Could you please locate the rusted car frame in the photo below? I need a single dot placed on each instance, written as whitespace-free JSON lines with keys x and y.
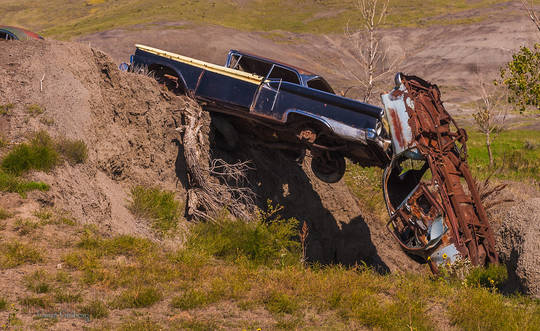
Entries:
{"x":433,"y":202}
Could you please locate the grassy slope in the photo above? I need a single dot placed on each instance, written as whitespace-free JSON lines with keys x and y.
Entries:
{"x":66,"y":19}
{"x":232,"y":276}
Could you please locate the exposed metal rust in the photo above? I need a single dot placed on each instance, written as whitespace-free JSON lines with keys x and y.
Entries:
{"x":437,"y":137}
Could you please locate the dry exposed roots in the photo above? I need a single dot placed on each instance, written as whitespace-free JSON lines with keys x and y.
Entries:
{"x":214,"y":185}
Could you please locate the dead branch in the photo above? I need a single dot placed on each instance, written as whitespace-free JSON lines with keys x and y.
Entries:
{"x":531,"y":13}
{"x":368,"y":52}
{"x":214,"y":185}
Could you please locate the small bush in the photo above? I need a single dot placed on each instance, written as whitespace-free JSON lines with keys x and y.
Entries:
{"x":74,"y":151}
{"x":261,"y":243}
{"x":6,"y":109}
{"x":95,"y":309}
{"x":3,"y":141}
{"x":138,"y":298}
{"x":34,"y":109}
{"x":38,"y":154}
{"x":156,"y":205}
{"x":12,"y":183}
{"x":14,"y":254}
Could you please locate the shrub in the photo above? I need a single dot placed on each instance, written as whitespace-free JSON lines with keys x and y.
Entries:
{"x":262,"y":243}
{"x":40,"y":302}
{"x":3,"y":303}
{"x":95,"y":309}
{"x":74,"y":151}
{"x":66,"y":297}
{"x":156,"y":205}
{"x":4,"y":214}
{"x":521,"y":76}
{"x":39,"y":154}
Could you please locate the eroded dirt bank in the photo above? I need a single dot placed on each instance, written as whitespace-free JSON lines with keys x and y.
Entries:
{"x":128,"y":123}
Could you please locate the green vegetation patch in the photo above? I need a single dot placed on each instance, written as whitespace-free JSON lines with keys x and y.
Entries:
{"x":65,"y":20}
{"x":39,"y":154}
{"x":156,"y":205}
{"x":516,"y":156}
{"x":261,"y":242}
{"x":138,"y":298}
{"x":95,"y":309}
{"x":13,"y":254}
{"x":74,"y":151}
{"x":6,"y":109}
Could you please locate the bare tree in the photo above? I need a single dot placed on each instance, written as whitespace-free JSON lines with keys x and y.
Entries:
{"x":490,"y":115}
{"x":368,"y":50}
{"x":532,"y":14}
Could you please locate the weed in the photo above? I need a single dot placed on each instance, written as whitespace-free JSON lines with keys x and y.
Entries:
{"x":48,"y":121}
{"x":34,"y":109}
{"x":3,"y":303}
{"x":74,"y":151}
{"x":491,"y":277}
{"x":38,"y":154}
{"x":366,"y":185}
{"x":53,"y":216}
{"x":278,"y":303}
{"x":261,"y":243}
{"x":6,"y":109}
{"x":67,"y":297}
{"x":25,"y":226}
{"x":4,"y":214}
{"x":13,"y":254}
{"x":140,"y":325}
{"x":37,"y":282}
{"x":62,"y":277}
{"x":191,"y":299}
{"x":12,"y":183}
{"x":138,"y":298}
{"x":156,"y":205}
{"x":4,"y":142}
{"x":95,"y":309}
{"x":40,"y":302}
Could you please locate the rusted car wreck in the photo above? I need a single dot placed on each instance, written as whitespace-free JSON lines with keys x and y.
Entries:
{"x":433,"y":215}
{"x":435,"y":210}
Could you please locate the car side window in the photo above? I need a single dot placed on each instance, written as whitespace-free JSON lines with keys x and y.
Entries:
{"x":320,"y":84}
{"x":284,"y":74}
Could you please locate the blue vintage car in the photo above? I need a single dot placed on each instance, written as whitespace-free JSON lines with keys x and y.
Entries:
{"x":284,"y":106}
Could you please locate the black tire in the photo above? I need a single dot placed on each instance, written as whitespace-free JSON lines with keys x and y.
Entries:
{"x":328,"y":167}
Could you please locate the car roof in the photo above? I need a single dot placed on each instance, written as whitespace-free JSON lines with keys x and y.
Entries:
{"x":20,"y":33}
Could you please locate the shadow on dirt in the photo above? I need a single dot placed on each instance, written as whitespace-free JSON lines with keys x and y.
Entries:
{"x":282,"y":180}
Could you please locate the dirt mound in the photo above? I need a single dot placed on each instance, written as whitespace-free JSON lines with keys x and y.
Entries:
{"x":519,"y":246}
{"x":128,"y":123}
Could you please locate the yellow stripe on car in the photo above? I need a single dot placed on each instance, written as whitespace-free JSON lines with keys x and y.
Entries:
{"x":247,"y":77}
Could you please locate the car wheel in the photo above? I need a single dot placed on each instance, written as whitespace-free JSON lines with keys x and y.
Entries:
{"x":328,"y":166}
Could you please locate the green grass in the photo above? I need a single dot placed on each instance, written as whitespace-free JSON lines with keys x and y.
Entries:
{"x":13,"y":254}
{"x":59,"y":19}
{"x":366,"y":185}
{"x":157,"y":206}
{"x":259,"y":242}
{"x":138,"y":298}
{"x":12,"y":183}
{"x":227,"y":264}
{"x":3,"y":303}
{"x":516,"y":153}
{"x":4,"y":214}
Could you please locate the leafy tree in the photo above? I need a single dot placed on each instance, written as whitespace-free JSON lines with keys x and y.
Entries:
{"x":521,"y":76}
